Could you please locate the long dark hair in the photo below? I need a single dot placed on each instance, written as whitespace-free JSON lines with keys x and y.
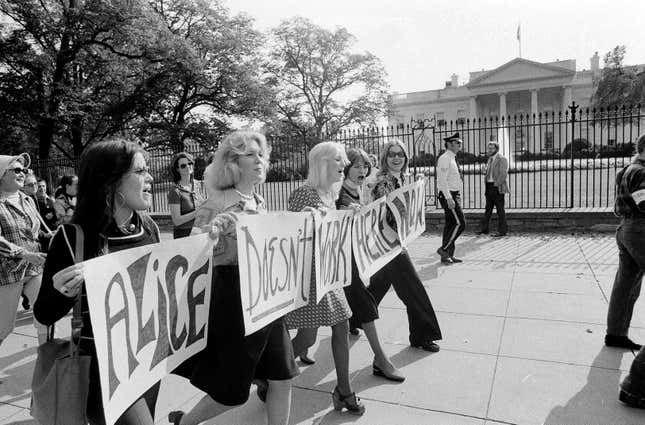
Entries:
{"x":65,"y":181}
{"x":103,"y":165}
{"x":174,"y":172}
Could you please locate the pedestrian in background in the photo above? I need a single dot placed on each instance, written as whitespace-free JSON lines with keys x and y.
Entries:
{"x":183,"y":197}
{"x":496,"y":176}
{"x":20,"y":258}
{"x":65,"y":203}
{"x":449,"y":185}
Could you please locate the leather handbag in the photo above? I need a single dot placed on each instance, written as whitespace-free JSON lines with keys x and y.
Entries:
{"x":61,"y":379}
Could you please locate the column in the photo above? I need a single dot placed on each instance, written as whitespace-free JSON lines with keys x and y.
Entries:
{"x":473,"y":107}
{"x":502,"y":106}
{"x":567,"y":98}
{"x":534,"y":102}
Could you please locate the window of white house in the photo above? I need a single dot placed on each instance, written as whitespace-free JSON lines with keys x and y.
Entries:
{"x":441,"y":119}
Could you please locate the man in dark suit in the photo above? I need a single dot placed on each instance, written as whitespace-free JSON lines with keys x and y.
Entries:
{"x":496,"y":188}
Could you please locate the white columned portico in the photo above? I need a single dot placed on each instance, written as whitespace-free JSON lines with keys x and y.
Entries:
{"x":567,"y":97}
{"x":502,"y":106}
{"x":534,"y":102}
{"x":473,"y":107}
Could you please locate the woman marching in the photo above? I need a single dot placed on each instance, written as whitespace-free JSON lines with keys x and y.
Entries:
{"x":229,"y":364}
{"x":362,"y":302}
{"x":115,"y":186}
{"x":400,"y":272}
{"x":327,"y":161}
{"x":183,"y":199}
{"x":20,"y":258}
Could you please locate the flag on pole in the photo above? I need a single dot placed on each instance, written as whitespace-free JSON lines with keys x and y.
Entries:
{"x":518,"y":32}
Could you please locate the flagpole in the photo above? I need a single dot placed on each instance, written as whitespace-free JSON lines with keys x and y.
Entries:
{"x":519,"y":38}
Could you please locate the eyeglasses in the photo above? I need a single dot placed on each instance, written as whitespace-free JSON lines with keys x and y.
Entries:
{"x":184,"y":165}
{"x":19,"y":170}
{"x":400,"y":154}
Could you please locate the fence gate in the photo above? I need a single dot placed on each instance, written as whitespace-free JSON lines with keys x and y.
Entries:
{"x":424,"y":149}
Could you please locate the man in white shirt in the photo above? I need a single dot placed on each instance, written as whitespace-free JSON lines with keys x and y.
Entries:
{"x":449,"y":185}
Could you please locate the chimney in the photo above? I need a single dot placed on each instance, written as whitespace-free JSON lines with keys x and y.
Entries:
{"x":454,"y":80}
{"x":595,"y":63}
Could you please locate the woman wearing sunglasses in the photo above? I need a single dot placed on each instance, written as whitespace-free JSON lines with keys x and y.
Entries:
{"x":20,"y":260}
{"x":183,"y":199}
{"x":400,"y":272}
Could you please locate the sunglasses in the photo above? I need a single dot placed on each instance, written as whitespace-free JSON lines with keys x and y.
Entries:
{"x":19,"y":170}
{"x":400,"y":154}
{"x":184,"y":165}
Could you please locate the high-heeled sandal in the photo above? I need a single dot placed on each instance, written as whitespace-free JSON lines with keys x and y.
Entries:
{"x":350,"y":402}
{"x":175,"y":416}
{"x":306,"y":359}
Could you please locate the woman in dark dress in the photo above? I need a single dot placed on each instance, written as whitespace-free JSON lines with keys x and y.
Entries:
{"x":361,"y":301}
{"x":114,"y":186}
{"x":183,"y":198}
{"x":231,"y":362}
{"x":400,"y":272}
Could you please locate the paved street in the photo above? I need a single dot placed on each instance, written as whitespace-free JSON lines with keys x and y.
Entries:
{"x":523,"y":323}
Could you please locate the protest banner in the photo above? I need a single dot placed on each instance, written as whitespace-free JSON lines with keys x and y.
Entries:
{"x":149,"y":310}
{"x":374,"y":244}
{"x":408,"y":207}
{"x":274,"y":255}
{"x":332,"y":251}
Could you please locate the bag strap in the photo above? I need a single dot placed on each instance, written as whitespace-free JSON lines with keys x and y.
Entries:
{"x":77,"y":314}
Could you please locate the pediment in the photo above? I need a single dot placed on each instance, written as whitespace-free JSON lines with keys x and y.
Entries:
{"x":520,"y":70}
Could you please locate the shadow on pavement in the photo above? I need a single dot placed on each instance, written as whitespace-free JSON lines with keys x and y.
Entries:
{"x":18,"y":368}
{"x":597,"y":402}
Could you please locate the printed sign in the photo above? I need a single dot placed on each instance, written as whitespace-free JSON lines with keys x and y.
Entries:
{"x":333,"y":251}
{"x":274,"y":255}
{"x":408,"y":207}
{"x":149,"y":310}
{"x":373,"y":242}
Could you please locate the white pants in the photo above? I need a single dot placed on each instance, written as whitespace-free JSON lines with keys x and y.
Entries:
{"x":9,"y":299}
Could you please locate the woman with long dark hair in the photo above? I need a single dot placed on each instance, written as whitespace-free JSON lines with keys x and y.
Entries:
{"x":66,"y":198}
{"x":400,"y":272}
{"x":183,"y":198}
{"x":115,"y":187}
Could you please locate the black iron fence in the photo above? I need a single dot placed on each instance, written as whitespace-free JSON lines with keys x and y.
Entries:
{"x":556,"y":160}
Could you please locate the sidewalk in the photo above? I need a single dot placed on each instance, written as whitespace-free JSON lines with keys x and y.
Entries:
{"x":523,"y":323}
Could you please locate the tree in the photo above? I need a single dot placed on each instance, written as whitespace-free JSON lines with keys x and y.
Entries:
{"x":321,"y":84}
{"x":212,"y":75}
{"x":63,"y":62}
{"x":618,"y":85}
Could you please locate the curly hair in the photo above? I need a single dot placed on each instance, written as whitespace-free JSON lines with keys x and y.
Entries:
{"x":224,"y":172}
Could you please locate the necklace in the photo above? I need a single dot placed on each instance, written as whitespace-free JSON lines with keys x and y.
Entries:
{"x":244,"y":196}
{"x":127,"y":229}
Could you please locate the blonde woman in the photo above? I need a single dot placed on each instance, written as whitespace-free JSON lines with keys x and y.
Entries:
{"x":327,"y":161}
{"x":226,"y":368}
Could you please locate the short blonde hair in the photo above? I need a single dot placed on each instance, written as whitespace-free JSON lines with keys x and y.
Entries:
{"x":224,"y":173}
{"x":386,"y":149}
{"x":318,"y":157}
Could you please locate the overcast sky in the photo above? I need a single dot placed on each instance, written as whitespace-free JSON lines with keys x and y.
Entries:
{"x":422,"y":43}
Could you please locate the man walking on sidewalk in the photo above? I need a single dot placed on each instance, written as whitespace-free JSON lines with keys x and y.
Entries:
{"x":496,"y":189}
{"x":449,"y":185}
{"x":630,"y":237}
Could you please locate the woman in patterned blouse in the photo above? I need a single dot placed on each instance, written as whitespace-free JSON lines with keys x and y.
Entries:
{"x":327,"y":162}
{"x":20,"y":260}
{"x":400,"y":272}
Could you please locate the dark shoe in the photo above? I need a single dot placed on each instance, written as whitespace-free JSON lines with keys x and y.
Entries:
{"x":307,"y":360}
{"x":632,"y":400}
{"x":430,"y":346}
{"x":25,"y":302}
{"x":263,"y":389}
{"x":621,"y":342}
{"x":354,"y":331}
{"x":350,"y":402}
{"x":395,"y":376}
{"x":499,"y":235}
{"x":174,"y":417}
{"x":456,"y":260}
